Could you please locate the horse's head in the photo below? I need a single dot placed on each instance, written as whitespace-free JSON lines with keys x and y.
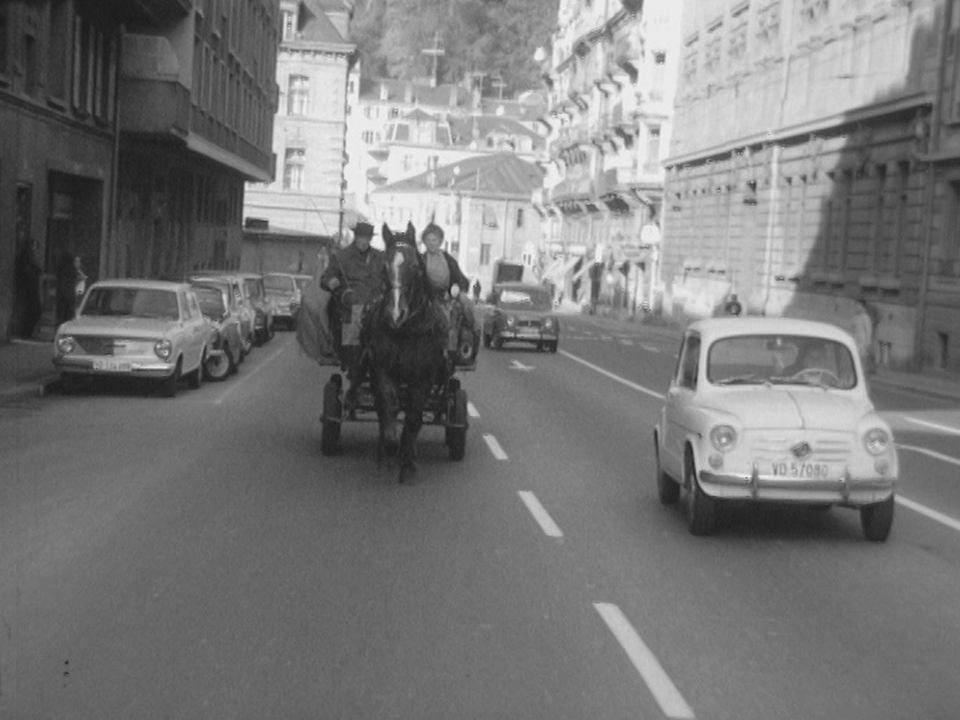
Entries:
{"x":405,"y":284}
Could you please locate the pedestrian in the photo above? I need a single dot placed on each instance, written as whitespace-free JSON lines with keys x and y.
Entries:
{"x":476,"y":290}
{"x":28,"y":277}
{"x":67,"y":279}
{"x":81,"y":278}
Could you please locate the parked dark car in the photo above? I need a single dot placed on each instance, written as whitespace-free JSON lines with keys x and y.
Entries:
{"x":520,"y":312}
{"x":256,"y":294}
{"x":219,"y":307}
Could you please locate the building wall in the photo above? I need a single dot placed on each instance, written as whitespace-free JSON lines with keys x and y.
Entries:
{"x":56,"y":143}
{"x":309,"y":139}
{"x":819,"y":196}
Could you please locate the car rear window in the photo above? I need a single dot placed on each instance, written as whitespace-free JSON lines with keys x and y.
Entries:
{"x":211,"y":302}
{"x":279,"y":283}
{"x":781,"y":360}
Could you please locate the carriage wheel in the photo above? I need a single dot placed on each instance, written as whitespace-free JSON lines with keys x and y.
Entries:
{"x":332,"y":417}
{"x":457,"y":424}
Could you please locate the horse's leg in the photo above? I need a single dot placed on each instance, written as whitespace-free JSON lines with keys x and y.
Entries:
{"x":412,"y":422}
{"x":388,"y":407}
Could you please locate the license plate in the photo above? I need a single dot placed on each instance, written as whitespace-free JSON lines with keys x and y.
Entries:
{"x":111,"y":365}
{"x":801,"y":470}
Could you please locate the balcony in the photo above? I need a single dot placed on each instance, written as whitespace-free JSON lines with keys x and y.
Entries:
{"x":154,"y":107}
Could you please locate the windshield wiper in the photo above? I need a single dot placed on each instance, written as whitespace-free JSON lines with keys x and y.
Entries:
{"x":742,"y":380}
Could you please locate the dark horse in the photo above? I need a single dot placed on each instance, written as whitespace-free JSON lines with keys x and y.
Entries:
{"x":406,"y":344}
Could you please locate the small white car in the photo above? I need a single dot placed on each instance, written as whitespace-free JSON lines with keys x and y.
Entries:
{"x":135,"y":328}
{"x":773,"y":410}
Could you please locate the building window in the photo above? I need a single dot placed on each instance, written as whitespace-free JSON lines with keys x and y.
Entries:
{"x":711,"y":51}
{"x":945,"y":255}
{"x":367,"y":137}
{"x":298,"y":95}
{"x":653,"y":146}
{"x":4,"y":30}
{"x":293,"y":168}
{"x":658,"y":76}
{"x":690,"y":62}
{"x":57,"y":50}
{"x":30,"y":65}
{"x":519,"y":217}
{"x":768,"y":23}
{"x":289,"y":25}
{"x":485,"y":254}
{"x":394,"y":112}
{"x":738,"y":35}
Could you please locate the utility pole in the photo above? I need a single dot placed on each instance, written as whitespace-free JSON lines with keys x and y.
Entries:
{"x":434,"y":52}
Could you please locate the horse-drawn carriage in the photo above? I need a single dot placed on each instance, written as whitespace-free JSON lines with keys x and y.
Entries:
{"x":400,"y":356}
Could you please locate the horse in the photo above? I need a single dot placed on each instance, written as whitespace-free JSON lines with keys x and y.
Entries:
{"x":406,"y":348}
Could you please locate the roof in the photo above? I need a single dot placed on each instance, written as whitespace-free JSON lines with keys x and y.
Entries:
{"x":143,"y":284}
{"x":500,"y":175}
{"x":419,"y":115}
{"x":713,"y":328}
{"x":466,"y":130}
{"x":315,"y":27}
{"x":420,"y":94}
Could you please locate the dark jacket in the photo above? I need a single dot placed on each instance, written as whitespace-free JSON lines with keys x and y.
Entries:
{"x":360,"y":272}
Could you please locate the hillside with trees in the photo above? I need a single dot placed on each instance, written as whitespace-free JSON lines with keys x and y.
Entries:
{"x":491,"y":39}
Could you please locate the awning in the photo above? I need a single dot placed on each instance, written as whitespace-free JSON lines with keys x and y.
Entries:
{"x":560,"y":267}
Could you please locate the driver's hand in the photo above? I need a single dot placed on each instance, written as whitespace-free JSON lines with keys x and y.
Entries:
{"x":333,"y":283}
{"x":454,"y":291}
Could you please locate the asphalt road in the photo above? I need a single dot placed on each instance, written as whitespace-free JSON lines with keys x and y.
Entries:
{"x":199,"y":558}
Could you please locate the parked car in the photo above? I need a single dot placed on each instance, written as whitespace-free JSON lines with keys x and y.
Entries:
{"x":256,"y":295}
{"x":226,"y":345}
{"x":773,"y":410}
{"x":244,"y":309}
{"x":303,"y":281}
{"x":520,"y":312}
{"x":149,"y":329}
{"x":283,"y":291}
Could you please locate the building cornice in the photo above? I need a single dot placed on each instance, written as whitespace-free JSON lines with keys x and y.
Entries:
{"x":816,"y":127}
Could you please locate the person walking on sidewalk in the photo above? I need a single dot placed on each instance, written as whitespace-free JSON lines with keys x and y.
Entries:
{"x":29,"y":274}
{"x":68,"y":275}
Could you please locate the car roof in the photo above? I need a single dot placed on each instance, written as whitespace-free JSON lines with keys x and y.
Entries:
{"x":711,"y":329}
{"x":143,"y":284}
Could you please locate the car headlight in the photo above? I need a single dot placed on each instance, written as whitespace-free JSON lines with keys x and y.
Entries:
{"x":66,"y":344}
{"x":163,"y":349}
{"x":876,"y":441}
{"x":723,"y":437}
{"x":511,"y":321}
{"x":549,"y":323}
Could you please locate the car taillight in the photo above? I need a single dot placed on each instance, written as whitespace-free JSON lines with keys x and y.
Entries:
{"x":876,"y":441}
{"x":66,"y":344}
{"x":163,"y":349}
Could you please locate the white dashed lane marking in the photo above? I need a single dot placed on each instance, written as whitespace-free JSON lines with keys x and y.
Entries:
{"x":661,"y":686}
{"x":472,"y":410}
{"x":540,"y":514}
{"x":495,"y":448}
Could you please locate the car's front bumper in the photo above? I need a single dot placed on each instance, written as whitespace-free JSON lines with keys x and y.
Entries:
{"x":527,"y":334}
{"x":114,"y":366}
{"x":847,"y":489}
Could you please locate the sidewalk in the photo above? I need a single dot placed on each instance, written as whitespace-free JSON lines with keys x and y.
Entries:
{"x":26,"y":368}
{"x":930,"y":382}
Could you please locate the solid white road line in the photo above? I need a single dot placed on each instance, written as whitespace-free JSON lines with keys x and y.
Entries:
{"x":650,"y":348}
{"x":664,"y":691}
{"x":932,"y":425}
{"x":472,"y":410}
{"x":634,"y":386}
{"x":495,"y":448}
{"x":540,"y":514}
{"x":928,"y":512}
{"x":930,"y":453}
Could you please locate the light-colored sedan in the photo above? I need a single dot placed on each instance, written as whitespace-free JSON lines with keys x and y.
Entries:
{"x":135,"y":328}
{"x":773,"y":410}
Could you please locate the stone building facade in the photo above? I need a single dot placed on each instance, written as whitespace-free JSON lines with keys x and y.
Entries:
{"x":807,"y":175}
{"x":317,"y":77}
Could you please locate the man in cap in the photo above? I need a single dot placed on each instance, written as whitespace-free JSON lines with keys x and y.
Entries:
{"x":353,"y":277}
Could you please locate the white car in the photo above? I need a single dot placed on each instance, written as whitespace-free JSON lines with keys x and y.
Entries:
{"x":773,"y":410}
{"x":135,"y":328}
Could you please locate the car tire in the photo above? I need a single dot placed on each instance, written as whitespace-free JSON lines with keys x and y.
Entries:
{"x":701,"y":508}
{"x":498,"y":343}
{"x":667,"y":490}
{"x":195,"y":378}
{"x":219,"y":366}
{"x":552,"y":347}
{"x":248,"y":344}
{"x":456,"y":437}
{"x":169,"y":385}
{"x":877,"y":519}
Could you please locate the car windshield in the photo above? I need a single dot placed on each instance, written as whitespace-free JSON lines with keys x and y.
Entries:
{"x":131,"y":302}
{"x":279,"y":284}
{"x":781,"y":360}
{"x":211,"y":302}
{"x":532,"y":299}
